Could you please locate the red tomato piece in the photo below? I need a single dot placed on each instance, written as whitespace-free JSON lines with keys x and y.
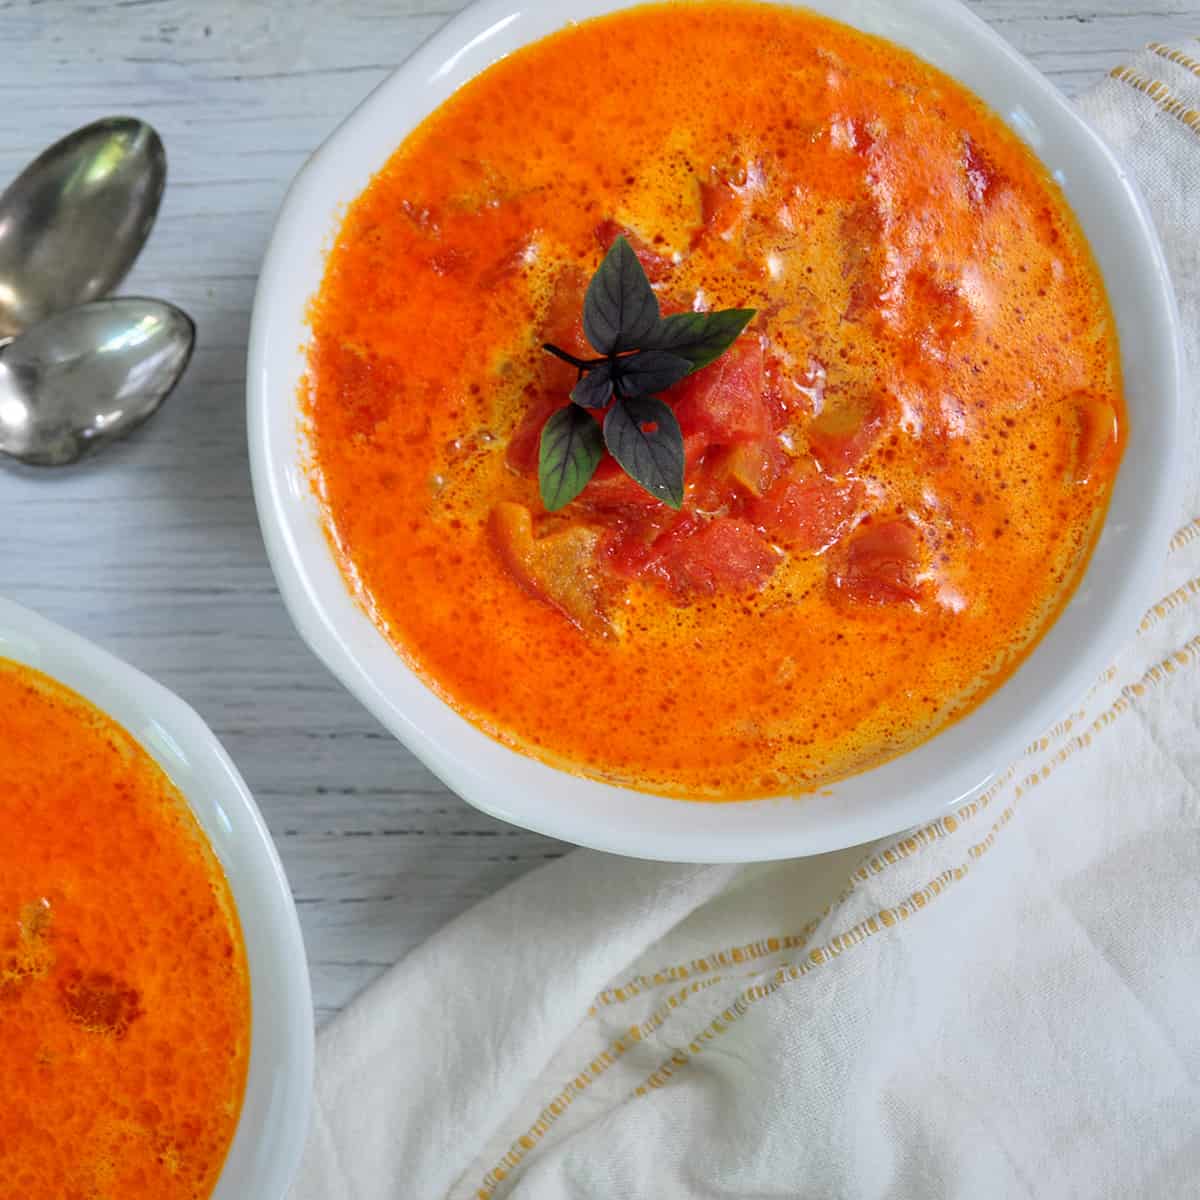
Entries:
{"x":723,"y":198}
{"x":750,"y":466}
{"x":725,"y":399}
{"x":700,"y":558}
{"x":657,"y":266}
{"x":808,"y":514}
{"x":629,"y":546}
{"x":720,"y":555}
{"x":718,"y":206}
{"x":610,"y":487}
{"x":881,"y":565}
{"x":844,"y":432}
{"x":690,"y":555}
{"x":563,"y":324}
{"x":563,"y":327}
{"x":525,"y":443}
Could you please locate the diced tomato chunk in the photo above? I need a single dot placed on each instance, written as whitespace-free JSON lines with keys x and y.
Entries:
{"x":881,"y":565}
{"x":702,"y":558}
{"x":723,"y":198}
{"x":692,"y":556}
{"x":525,"y":444}
{"x":689,"y":554}
{"x":562,"y":326}
{"x":630,"y":545}
{"x":718,"y":205}
{"x":751,"y":466}
{"x":725,"y":399}
{"x":808,"y":514}
{"x":610,"y":487}
{"x":560,"y":568}
{"x":657,"y":266}
{"x":844,"y":432}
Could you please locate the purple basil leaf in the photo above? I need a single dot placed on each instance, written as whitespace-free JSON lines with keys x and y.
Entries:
{"x":620,"y":308}
{"x":595,"y":389}
{"x":641,"y":433}
{"x":650,"y":371}
{"x":701,"y":337}
{"x":570,"y":448}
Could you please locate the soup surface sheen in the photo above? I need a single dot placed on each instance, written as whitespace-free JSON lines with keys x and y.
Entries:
{"x":124,"y":992}
{"x":894,"y":477}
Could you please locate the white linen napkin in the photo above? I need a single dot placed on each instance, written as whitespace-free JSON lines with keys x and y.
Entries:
{"x":1002,"y":1003}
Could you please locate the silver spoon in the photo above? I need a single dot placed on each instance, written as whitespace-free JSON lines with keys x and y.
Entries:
{"x":74,"y":220}
{"x":88,"y":376}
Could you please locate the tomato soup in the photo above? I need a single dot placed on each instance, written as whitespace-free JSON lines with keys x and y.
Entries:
{"x":124,"y":991}
{"x":893,"y":478}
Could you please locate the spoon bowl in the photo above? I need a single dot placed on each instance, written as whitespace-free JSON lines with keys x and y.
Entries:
{"x":88,"y":376}
{"x":72,"y":223}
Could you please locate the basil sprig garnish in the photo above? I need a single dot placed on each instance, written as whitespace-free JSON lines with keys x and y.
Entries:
{"x":642,"y":353}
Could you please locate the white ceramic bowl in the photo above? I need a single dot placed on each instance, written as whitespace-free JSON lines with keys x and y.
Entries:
{"x":944,"y":772}
{"x":270,"y":1133}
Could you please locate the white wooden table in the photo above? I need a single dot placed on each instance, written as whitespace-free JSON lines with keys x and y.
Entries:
{"x":153,"y":550}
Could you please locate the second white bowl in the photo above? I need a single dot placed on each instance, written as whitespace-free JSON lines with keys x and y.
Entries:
{"x":270,"y":1134}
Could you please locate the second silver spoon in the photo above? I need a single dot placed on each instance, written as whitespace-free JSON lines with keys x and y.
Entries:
{"x":88,"y":376}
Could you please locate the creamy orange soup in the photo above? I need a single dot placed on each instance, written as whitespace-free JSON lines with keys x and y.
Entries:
{"x":894,"y":477}
{"x":124,"y":992}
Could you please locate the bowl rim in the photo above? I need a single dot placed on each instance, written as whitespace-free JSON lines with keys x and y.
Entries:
{"x":262,"y":1160}
{"x":502,"y":782}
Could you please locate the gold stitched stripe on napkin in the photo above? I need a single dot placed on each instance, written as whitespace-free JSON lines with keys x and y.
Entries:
{"x":1175,"y":56}
{"x":1160,"y":94}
